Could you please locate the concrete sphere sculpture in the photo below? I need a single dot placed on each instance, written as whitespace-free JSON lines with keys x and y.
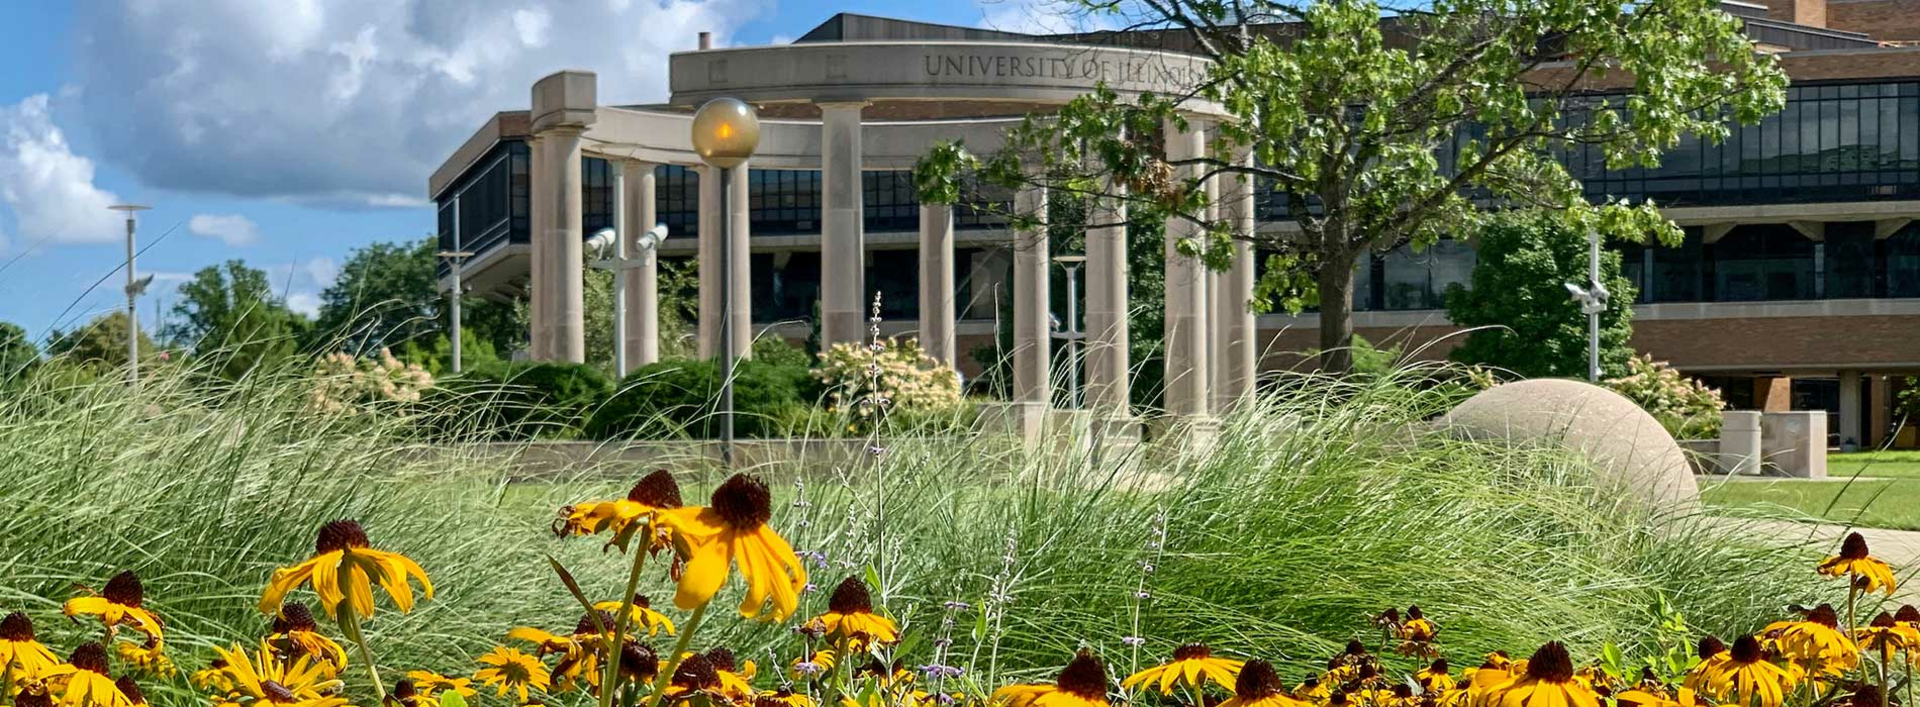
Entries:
{"x":1630,"y":451}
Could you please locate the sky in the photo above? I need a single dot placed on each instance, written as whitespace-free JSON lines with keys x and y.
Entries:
{"x":288,"y":134}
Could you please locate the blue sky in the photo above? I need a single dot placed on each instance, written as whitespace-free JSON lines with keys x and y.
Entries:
{"x":288,"y":134}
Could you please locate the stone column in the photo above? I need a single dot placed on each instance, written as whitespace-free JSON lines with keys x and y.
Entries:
{"x":538,"y":346}
{"x":1235,"y":348}
{"x":740,"y":252}
{"x":1850,"y":410}
{"x":643,"y":283}
{"x":563,"y":107}
{"x":709,"y":262}
{"x":1032,"y":337}
{"x":936,"y":282}
{"x":843,"y":307}
{"x":1186,"y":308}
{"x":1107,"y":359}
{"x":559,"y":241}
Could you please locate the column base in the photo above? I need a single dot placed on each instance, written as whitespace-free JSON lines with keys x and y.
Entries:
{"x":1027,"y":421}
{"x":1184,"y":434}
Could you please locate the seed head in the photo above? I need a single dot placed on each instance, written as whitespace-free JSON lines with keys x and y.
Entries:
{"x":657,"y":489}
{"x":1551,"y":663}
{"x":340,"y":535}
{"x":1257,"y":681}
{"x":124,"y":589}
{"x":743,"y":502}
{"x":90,"y":656}
{"x":1084,"y":677}
{"x":1854,"y":547}
{"x":1746,"y":649}
{"x":1192,"y":651}
{"x":16,"y":627}
{"x":851,"y":597}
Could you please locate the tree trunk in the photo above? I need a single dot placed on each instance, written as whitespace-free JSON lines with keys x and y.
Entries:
{"x":1335,"y":280}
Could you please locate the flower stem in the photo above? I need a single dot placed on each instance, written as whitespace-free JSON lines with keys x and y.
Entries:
{"x":350,"y":625}
{"x":618,"y":640}
{"x":1199,"y":696}
{"x":665,"y":677}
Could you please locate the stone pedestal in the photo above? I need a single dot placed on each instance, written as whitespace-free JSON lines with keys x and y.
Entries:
{"x":1032,"y":340}
{"x":936,"y":282}
{"x":1186,"y":307}
{"x":1794,"y":443}
{"x":843,"y":295}
{"x":1740,"y":449}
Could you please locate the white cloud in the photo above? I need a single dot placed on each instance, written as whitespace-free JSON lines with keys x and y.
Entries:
{"x":349,"y":102}
{"x":232,"y":229}
{"x":306,"y":303}
{"x":47,"y":187}
{"x":322,"y":270}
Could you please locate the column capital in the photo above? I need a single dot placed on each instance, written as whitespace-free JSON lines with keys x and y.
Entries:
{"x":565,"y":99}
{"x":843,"y":103}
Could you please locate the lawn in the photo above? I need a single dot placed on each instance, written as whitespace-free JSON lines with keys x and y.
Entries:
{"x":1886,"y":493}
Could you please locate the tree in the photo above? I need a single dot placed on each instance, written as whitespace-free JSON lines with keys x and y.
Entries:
{"x":388,"y":295}
{"x":101,"y":342}
{"x":231,"y":309}
{"x":1374,"y":133}
{"x":17,"y":351}
{"x":1531,"y":326}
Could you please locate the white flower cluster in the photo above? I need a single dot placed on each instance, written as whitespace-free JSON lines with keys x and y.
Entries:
{"x":343,"y":383}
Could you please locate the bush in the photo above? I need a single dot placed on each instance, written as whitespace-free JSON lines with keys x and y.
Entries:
{"x":679,"y":399}
{"x":897,"y":372}
{"x":520,"y":399}
{"x":1686,"y":407}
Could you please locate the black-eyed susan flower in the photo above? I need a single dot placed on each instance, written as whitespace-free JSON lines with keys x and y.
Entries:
{"x":213,"y":678}
{"x":1747,"y":678}
{"x":1816,"y":640}
{"x":1713,"y":656}
{"x":736,"y":677}
{"x":1083,"y":683}
{"x":131,"y":689}
{"x":1257,"y":685}
{"x":1867,"y":572}
{"x":511,"y":670}
{"x":407,"y":694}
{"x":1886,"y":635}
{"x":261,"y":680}
{"x":295,"y":634}
{"x":623,"y":518}
{"x":695,"y":676}
{"x":850,"y":618}
{"x":1549,"y":681}
{"x":783,"y":697}
{"x":1436,"y":677}
{"x":148,"y":656}
{"x":1311,"y":690}
{"x":1647,"y":696}
{"x":120,"y":603}
{"x":343,"y":568}
{"x":579,"y":651}
{"x":429,"y":683}
{"x":21,"y":649}
{"x":1193,"y":665}
{"x":733,"y":532}
{"x":83,"y":681}
{"x":1417,"y":633}
{"x":641,"y":614}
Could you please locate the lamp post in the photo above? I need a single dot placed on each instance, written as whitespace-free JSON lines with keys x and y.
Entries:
{"x":619,"y":264}
{"x":1072,"y":335}
{"x":725,"y":133}
{"x":456,"y":261}
{"x":1593,"y":300}
{"x":133,"y":289}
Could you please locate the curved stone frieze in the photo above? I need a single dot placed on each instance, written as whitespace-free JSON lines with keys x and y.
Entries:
{"x":665,"y":138}
{"x":940,"y":71}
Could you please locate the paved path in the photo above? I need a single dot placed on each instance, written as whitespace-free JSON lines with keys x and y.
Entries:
{"x":1899,"y":548}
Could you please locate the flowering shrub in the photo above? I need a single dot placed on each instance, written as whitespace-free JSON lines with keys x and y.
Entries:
{"x":1686,"y":407}
{"x":343,"y":383}
{"x":856,"y":651}
{"x":888,"y":373}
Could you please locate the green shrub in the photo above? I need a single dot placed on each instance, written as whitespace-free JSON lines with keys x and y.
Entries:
{"x":679,"y":398}
{"x":520,"y":399}
{"x":1686,"y":407}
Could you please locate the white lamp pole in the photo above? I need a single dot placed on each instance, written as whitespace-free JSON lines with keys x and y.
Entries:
{"x":726,"y":131}
{"x":134,"y":288}
{"x":1593,"y":300}
{"x":1072,"y":263}
{"x":456,"y":262}
{"x":620,"y":264}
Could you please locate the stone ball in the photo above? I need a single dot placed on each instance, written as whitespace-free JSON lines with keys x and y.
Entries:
{"x":1629,"y":449}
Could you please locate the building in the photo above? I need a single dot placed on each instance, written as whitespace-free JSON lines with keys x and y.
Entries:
{"x":1798,"y":285}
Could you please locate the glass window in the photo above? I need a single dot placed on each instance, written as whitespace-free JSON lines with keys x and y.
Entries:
{"x":1763,"y":262}
{"x":1677,"y":272}
{"x":1419,"y":280}
{"x":786,"y":284}
{"x":1903,"y":262}
{"x":596,"y":195}
{"x":895,"y":274}
{"x":676,"y":192}
{"x":785,"y":201}
{"x":1849,"y":260}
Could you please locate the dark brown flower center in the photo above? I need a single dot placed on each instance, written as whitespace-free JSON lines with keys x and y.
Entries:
{"x":124,"y":589}
{"x":90,"y":656}
{"x":743,"y":502}
{"x":1907,"y":614}
{"x":657,"y":489}
{"x":1337,"y":698}
{"x":1354,"y":647}
{"x":1710,"y":646}
{"x":851,"y":597}
{"x":1824,"y":615}
{"x":294,"y":616}
{"x":1854,"y":547}
{"x":1884,"y":620}
{"x":638,"y":661}
{"x":722,"y":659}
{"x":29,"y":698}
{"x":1257,"y":681}
{"x":641,"y":600}
{"x":1402,"y":690}
{"x":1413,"y":612}
{"x":404,"y":689}
{"x":340,"y":535}
{"x":585,"y":625}
{"x":1746,"y":649}
{"x":16,"y":627}
{"x":1551,"y":663}
{"x":1439,"y":666}
{"x":132,"y":691}
{"x":1868,"y":695}
{"x":276,"y":692}
{"x":696,"y":673}
{"x":1083,"y":677}
{"x":1192,"y":651}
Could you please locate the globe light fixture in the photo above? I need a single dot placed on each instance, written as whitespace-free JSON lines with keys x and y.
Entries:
{"x":726,"y":131}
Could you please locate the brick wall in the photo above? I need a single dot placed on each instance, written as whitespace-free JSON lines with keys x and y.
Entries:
{"x":1885,"y":20}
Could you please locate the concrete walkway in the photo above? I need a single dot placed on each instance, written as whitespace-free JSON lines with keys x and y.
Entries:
{"x":1899,"y":548}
